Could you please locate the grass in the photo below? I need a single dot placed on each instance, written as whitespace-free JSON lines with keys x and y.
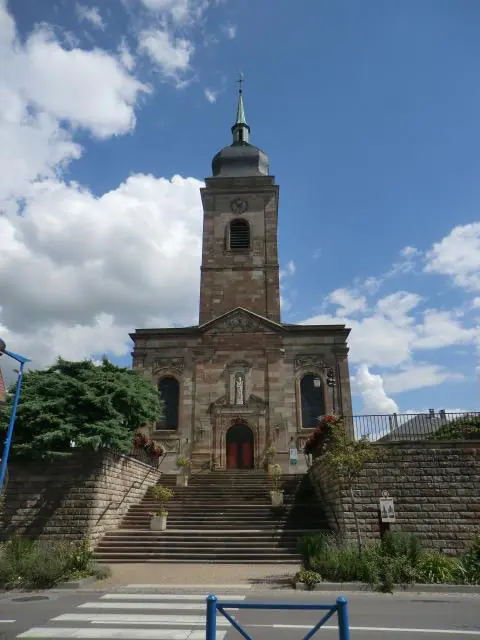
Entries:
{"x":25,"y":564}
{"x":398,"y":559}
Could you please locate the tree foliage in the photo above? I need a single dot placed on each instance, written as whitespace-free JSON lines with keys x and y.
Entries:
{"x":346,"y":457}
{"x":92,"y":406}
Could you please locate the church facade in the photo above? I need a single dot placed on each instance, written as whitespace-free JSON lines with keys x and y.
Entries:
{"x":242,"y":382}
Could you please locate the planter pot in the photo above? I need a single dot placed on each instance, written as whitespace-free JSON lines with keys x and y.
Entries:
{"x":277,"y":498}
{"x":158,"y":523}
{"x":182,"y":480}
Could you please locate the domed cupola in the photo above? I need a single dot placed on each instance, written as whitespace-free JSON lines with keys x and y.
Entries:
{"x":241,"y":158}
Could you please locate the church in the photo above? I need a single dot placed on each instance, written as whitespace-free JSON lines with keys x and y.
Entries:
{"x":242,"y":383}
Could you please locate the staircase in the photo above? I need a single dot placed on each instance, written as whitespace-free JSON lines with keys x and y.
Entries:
{"x":222,"y":516}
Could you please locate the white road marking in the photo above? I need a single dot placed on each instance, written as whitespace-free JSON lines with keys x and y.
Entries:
{"x":181,"y":606}
{"x":136,"y":618}
{"x":105,"y":634}
{"x":454,"y":632}
{"x":7,"y":621}
{"x":165,"y":596}
{"x":172,"y":587}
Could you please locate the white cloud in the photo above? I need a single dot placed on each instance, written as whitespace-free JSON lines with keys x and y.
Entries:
{"x":181,"y":12}
{"x":231,"y":31}
{"x":90,"y":14}
{"x":418,"y":376}
{"x":126,"y":58}
{"x":442,"y":329}
{"x":88,"y":88}
{"x":78,"y":272}
{"x":476,"y":303}
{"x":41,"y":84}
{"x":374,"y":397}
{"x":398,"y":305}
{"x":211,"y":96}
{"x":458,"y":256}
{"x":348,"y":301}
{"x":410,"y":252}
{"x":171,"y":54}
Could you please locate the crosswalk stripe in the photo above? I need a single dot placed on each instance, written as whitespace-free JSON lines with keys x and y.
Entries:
{"x":136,"y":618}
{"x":168,"y":596}
{"x":107,"y":634}
{"x":169,"y":606}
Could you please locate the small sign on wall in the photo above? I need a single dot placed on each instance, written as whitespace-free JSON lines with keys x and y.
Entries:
{"x":293,"y":455}
{"x":387,"y":508}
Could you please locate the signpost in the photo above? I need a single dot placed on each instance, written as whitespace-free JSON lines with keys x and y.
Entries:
{"x":387,"y":508}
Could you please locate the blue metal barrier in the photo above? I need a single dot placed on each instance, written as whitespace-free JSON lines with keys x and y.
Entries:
{"x":340,"y":608}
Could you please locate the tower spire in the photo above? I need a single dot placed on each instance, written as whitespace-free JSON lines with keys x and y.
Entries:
{"x":240,"y":129}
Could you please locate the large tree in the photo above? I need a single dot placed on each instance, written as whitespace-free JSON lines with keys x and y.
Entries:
{"x":90,"y":405}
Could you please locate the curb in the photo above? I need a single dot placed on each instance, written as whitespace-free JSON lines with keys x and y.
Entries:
{"x":77,"y":584}
{"x":360,"y":586}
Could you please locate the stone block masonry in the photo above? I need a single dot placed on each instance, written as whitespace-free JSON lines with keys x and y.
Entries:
{"x":66,"y":500}
{"x":435,"y":487}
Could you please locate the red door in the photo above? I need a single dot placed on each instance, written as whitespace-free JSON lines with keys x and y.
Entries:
{"x":231,"y":455}
{"x":247,"y":455}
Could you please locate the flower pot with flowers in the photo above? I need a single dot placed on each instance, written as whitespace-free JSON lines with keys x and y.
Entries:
{"x":153,"y":450}
{"x":158,"y":519}
{"x":183,"y":464}
{"x":318,"y":441}
{"x":276,"y":494}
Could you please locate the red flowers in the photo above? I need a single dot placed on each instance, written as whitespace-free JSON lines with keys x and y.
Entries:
{"x":319,"y":438}
{"x":148,"y":445}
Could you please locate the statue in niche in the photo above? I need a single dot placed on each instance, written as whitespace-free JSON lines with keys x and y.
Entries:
{"x":239,"y":389}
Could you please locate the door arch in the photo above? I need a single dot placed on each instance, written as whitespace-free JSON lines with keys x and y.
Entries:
{"x":239,"y":441}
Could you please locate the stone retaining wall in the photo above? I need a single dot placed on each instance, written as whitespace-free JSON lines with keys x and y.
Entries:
{"x":435,"y":486}
{"x":85,"y":495}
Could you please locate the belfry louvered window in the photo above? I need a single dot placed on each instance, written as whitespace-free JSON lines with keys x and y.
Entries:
{"x":239,"y":235}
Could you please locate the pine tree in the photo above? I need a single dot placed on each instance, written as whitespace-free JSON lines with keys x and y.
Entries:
{"x":82,"y":403}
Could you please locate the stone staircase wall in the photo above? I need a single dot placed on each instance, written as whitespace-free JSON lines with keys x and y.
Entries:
{"x":435,"y":487}
{"x":88,"y":494}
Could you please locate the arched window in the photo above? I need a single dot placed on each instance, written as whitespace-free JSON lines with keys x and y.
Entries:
{"x":239,"y":235}
{"x":313,"y":403}
{"x":169,"y":391}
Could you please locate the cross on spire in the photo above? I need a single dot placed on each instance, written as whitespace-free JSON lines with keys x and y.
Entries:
{"x":240,"y":83}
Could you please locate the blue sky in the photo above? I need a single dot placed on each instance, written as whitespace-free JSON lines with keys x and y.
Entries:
{"x":369,"y":112}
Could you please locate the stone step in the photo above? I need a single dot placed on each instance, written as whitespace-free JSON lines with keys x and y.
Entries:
{"x":247,"y":557}
{"x":195,"y":547}
{"x":146,"y":536}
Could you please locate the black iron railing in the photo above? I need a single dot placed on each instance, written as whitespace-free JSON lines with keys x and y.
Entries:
{"x":417,"y":426}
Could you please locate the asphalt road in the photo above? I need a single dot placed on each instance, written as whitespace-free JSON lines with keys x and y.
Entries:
{"x":179,"y":615}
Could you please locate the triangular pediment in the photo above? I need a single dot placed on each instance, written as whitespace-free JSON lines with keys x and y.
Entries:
{"x":241,"y":320}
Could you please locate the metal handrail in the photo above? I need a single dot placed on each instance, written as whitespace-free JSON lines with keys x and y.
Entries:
{"x":340,"y":608}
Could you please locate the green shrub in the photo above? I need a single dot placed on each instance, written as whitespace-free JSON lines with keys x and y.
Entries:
{"x":314,"y":546}
{"x":100,"y":571}
{"x":436,"y":568}
{"x":42,"y":564}
{"x":471,"y":562}
{"x":466,"y":428}
{"x":307,"y":577}
{"x":398,"y":559}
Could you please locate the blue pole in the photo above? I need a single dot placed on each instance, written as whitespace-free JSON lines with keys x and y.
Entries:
{"x":211,"y":626}
{"x":342,"y":612}
{"x":11,"y":424}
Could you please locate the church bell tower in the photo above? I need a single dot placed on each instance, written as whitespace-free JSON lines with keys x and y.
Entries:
{"x":240,"y":252}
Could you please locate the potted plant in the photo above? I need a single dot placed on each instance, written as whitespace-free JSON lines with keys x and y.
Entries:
{"x":162,"y":495}
{"x":276,"y":493}
{"x":183,"y":464}
{"x":270,"y":454}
